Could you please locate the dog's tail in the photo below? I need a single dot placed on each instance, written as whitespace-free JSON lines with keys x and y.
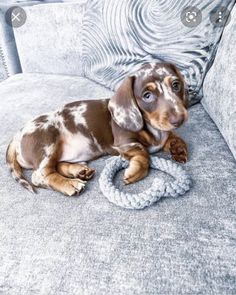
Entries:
{"x":15,"y":168}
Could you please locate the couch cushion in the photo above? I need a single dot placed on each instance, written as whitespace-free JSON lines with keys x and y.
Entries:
{"x":52,"y":244}
{"x":9,"y":59}
{"x":220,"y":87}
{"x":105,"y":40}
{"x":59,"y":51}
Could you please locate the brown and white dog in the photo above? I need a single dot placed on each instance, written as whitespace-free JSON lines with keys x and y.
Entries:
{"x":136,"y":121}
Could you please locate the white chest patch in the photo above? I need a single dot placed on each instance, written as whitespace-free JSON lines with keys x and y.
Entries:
{"x":159,"y":136}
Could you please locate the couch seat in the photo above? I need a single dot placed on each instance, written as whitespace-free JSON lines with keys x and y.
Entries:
{"x":52,"y":244}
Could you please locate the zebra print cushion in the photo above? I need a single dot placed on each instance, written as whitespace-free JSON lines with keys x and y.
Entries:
{"x":119,"y":35}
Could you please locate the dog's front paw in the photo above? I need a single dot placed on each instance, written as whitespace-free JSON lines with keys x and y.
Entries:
{"x":85,"y":173}
{"x":179,"y":150}
{"x":134,"y":173}
{"x":73,"y":187}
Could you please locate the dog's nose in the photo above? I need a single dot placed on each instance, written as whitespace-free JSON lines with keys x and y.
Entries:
{"x":176,"y":121}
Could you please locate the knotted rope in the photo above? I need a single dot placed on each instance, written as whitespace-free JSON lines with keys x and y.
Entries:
{"x":159,"y":188}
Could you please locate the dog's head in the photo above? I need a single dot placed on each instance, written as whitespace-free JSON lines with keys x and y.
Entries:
{"x":156,"y":94}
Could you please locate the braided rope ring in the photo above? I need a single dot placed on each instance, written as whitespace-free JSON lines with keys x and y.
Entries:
{"x":158,"y":189}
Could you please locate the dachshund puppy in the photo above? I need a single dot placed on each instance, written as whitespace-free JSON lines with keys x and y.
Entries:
{"x":139,"y":119}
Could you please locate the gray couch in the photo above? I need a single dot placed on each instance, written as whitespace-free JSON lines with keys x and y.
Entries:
{"x":51,"y":244}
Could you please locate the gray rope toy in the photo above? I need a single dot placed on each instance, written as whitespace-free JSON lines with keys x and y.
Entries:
{"x":159,"y":188}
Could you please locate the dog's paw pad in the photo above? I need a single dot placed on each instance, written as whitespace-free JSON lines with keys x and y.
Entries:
{"x":74,"y":187}
{"x":86,"y":173}
{"x":178,"y":150}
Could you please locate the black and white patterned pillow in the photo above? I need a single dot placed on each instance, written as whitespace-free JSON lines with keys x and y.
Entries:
{"x":119,"y":35}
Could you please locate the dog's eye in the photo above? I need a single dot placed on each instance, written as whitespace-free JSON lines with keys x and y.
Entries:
{"x":176,"y":86}
{"x":148,"y":96}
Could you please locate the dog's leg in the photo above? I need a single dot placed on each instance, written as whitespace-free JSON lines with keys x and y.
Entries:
{"x":75,"y":170}
{"x":138,"y":164}
{"x":177,"y":148}
{"x":48,"y":178}
{"x":46,"y":175}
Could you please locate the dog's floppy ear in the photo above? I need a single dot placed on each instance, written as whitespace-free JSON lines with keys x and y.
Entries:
{"x":123,"y":107}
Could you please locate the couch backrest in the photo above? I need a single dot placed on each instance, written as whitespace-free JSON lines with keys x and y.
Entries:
{"x":9,"y":62}
{"x":220,"y":87}
{"x":51,"y":39}
{"x":9,"y":59}
{"x":105,"y":40}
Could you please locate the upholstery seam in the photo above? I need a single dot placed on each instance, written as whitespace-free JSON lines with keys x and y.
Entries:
{"x":2,"y":56}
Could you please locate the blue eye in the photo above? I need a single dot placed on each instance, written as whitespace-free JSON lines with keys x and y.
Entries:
{"x":148,"y":96}
{"x":176,"y":86}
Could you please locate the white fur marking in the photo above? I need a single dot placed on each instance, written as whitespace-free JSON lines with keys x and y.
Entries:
{"x":153,"y":65}
{"x":159,"y":135}
{"x":29,"y":128}
{"x":49,"y":149}
{"x":155,"y":132}
{"x":121,"y":114}
{"x":159,"y":87}
{"x":100,"y":149}
{"x":167,"y":94}
{"x":162,"y":71}
{"x":53,"y":119}
{"x":177,"y":109}
{"x":78,"y":112}
{"x":76,"y":148}
{"x":38,"y":177}
{"x":19,"y":157}
{"x":145,"y":72}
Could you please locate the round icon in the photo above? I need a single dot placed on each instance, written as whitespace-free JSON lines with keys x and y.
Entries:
{"x":15,"y":16}
{"x":220,"y":16}
{"x":191,"y":16}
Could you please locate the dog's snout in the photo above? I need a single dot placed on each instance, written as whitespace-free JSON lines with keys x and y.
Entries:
{"x":175,"y":120}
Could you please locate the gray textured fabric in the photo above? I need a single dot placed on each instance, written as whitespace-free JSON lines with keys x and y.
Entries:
{"x":59,"y":51}
{"x":9,"y":60}
{"x":220,"y":87}
{"x":127,"y":33}
{"x":51,"y":244}
{"x":8,"y":52}
{"x":176,"y":187}
{"x":32,"y":2}
{"x":20,"y":2}
{"x":105,"y":40}
{"x":3,"y":69}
